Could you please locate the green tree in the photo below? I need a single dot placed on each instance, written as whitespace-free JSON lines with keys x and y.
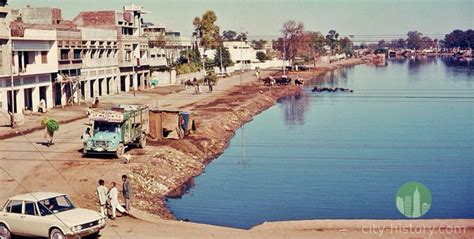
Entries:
{"x":382,"y":43}
{"x":258,"y":44}
{"x":346,"y":46}
{"x":206,"y":30}
{"x":332,"y":40}
{"x":241,"y":37}
{"x":226,"y":59}
{"x":414,"y":40}
{"x":459,"y":38}
{"x":229,"y":35}
{"x":290,"y":43}
{"x":261,"y":56}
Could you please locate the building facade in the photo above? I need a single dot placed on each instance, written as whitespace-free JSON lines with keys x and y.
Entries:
{"x":61,"y":62}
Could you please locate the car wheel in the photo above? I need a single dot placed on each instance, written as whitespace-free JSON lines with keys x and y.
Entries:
{"x":56,"y":234}
{"x":4,"y":232}
{"x":120,"y":151}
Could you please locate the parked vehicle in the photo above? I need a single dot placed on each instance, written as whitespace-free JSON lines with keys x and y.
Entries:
{"x":47,"y":214}
{"x":117,"y":128}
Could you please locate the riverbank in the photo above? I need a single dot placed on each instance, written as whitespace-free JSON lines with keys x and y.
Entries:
{"x":167,"y":167}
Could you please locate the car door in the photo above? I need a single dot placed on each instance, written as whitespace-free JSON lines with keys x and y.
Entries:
{"x":31,"y":217}
{"x":12,"y":215}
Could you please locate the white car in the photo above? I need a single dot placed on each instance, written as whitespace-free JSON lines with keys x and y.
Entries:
{"x":46,"y":214}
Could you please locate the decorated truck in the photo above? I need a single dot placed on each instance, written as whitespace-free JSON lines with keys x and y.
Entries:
{"x":115,"y":129}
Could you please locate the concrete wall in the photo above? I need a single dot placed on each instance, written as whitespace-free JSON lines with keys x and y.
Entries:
{"x":184,"y":77}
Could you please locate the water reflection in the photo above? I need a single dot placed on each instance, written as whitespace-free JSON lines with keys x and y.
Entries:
{"x":294,"y":108}
{"x":331,"y":78}
{"x":414,"y":64}
{"x":459,"y":66}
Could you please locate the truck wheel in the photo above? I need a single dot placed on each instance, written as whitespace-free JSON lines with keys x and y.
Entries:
{"x":4,"y":232}
{"x":142,"y":141}
{"x":56,"y":234}
{"x":120,"y":151}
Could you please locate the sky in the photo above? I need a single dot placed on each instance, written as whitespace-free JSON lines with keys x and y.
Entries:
{"x":365,"y":19}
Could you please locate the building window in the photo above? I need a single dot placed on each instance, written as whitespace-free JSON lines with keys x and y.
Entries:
{"x":64,"y":54}
{"x":77,"y":54}
{"x":101,"y":54}
{"x":44,"y":57}
{"x":93,"y":54}
{"x":128,"y":56}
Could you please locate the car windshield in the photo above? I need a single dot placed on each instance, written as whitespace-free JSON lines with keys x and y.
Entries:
{"x":106,"y":127}
{"x":55,"y":205}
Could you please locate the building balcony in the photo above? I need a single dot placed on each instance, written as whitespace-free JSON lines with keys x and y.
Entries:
{"x":69,"y":63}
{"x":33,"y":69}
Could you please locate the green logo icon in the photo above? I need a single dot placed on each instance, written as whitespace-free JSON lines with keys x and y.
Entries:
{"x":413,"y":199}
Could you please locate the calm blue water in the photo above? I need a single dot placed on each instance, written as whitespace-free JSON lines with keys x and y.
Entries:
{"x":325,"y":156}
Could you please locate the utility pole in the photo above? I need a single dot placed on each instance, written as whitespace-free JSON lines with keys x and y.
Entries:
{"x":12,"y":102}
{"x":221,"y":57}
{"x":284,"y":57}
{"x":241,"y":59}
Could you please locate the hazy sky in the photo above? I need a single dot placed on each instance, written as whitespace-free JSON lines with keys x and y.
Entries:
{"x":362,"y":18}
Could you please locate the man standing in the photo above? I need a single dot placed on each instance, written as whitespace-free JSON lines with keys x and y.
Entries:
{"x":114,"y":202}
{"x":126,"y":191}
{"x":101,"y":193}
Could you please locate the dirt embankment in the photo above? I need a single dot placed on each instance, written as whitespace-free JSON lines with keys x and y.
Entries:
{"x":167,"y":167}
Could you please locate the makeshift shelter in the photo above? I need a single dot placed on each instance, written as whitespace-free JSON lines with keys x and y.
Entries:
{"x":167,"y":124}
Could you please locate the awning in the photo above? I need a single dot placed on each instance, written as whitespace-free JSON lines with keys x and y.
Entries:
{"x":30,"y":46}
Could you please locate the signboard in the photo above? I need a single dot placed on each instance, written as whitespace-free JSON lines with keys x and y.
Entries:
{"x":107,"y":115}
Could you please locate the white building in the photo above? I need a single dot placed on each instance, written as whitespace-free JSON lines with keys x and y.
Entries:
{"x":241,"y":52}
{"x":35,"y":60}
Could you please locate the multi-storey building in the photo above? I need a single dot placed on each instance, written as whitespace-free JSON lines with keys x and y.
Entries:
{"x":34,"y":54}
{"x":100,"y":62}
{"x":132,"y":45}
{"x":68,"y":61}
{"x":5,"y":56}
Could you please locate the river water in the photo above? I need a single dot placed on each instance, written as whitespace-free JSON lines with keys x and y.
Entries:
{"x":345,"y":155}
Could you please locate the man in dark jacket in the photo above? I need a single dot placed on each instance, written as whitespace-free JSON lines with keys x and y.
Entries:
{"x":126,"y":191}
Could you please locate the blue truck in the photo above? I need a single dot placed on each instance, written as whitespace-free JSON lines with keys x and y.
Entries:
{"x":115,"y":129}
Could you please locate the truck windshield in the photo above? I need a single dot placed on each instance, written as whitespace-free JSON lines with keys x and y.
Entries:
{"x":106,"y":127}
{"x":54,"y":205}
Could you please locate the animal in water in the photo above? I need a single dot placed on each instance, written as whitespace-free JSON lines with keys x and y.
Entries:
{"x":331,"y":89}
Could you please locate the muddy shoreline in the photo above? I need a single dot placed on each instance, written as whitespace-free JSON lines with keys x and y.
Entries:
{"x":168,"y":167}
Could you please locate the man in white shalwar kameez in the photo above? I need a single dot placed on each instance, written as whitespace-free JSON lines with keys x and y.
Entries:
{"x":101,"y":193}
{"x":114,"y":202}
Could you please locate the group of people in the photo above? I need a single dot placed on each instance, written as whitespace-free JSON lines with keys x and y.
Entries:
{"x":108,"y":198}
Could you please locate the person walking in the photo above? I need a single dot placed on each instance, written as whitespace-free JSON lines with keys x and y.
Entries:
{"x":48,"y":135}
{"x":86,"y":136}
{"x":114,"y":202}
{"x":126,"y":191}
{"x":210,"y":87}
{"x":101,"y":193}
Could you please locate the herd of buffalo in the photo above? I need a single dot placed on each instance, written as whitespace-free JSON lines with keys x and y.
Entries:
{"x":285,"y":80}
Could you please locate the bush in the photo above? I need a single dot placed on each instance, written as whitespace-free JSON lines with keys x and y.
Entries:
{"x":187,"y":68}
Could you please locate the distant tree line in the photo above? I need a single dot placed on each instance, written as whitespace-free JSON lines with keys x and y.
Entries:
{"x":416,"y":40}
